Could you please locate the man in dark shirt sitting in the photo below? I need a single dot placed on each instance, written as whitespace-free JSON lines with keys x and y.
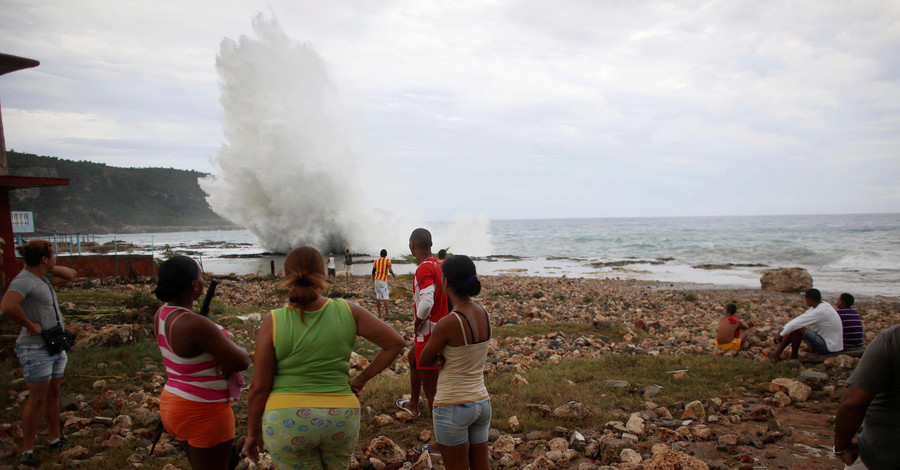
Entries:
{"x":852,"y":323}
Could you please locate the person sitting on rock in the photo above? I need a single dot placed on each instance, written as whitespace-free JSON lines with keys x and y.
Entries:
{"x":819,"y":327}
{"x":732,"y":332}
{"x":851,"y":322}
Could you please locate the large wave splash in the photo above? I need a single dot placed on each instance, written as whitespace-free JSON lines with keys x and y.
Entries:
{"x":288,"y":169}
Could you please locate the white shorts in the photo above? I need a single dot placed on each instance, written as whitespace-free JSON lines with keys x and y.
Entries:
{"x":382,"y":292}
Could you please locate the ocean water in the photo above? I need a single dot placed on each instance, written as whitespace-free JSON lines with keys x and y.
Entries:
{"x":857,"y":253}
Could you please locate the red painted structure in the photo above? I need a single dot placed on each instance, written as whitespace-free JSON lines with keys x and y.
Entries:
{"x":118,"y":266}
{"x":11,"y":63}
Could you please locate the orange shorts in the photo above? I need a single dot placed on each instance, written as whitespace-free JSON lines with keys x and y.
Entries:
{"x":420,"y":346}
{"x":734,"y":345}
{"x":201,"y":425}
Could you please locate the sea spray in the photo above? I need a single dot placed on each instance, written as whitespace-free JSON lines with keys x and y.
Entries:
{"x":289,"y":167}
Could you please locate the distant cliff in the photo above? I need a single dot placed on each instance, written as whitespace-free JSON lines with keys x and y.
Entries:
{"x":105,"y":199}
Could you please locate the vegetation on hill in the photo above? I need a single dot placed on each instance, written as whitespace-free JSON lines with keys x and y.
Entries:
{"x":103,"y":199}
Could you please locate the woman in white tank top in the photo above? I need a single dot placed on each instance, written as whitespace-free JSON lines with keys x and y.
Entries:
{"x":459,"y":344}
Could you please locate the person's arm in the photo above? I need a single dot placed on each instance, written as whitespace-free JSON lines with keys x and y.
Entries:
{"x":439,"y":338}
{"x":847,"y":421}
{"x":744,"y":325}
{"x":386,"y":338}
{"x":805,"y":319}
{"x":62,"y":274}
{"x":260,"y":386}
{"x":210,"y":338}
{"x":11,"y":306}
{"x":391,"y":270}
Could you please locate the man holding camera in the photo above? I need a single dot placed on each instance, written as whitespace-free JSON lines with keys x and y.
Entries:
{"x":31,"y":302}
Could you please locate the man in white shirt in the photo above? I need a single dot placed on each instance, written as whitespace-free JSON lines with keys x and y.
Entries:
{"x":819,"y":327}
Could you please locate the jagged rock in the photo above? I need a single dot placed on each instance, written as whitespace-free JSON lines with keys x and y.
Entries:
{"x":728,"y":440}
{"x":842,"y":360}
{"x":666,"y":434}
{"x":610,"y":448}
{"x":635,"y":424}
{"x":799,"y":392}
{"x":592,"y":449}
{"x":558,"y":443}
{"x":781,"y":399}
{"x":506,"y":443}
{"x":694,"y":410}
{"x":425,"y":435}
{"x":670,"y":459}
{"x":513,"y":424}
{"x":813,"y":378}
{"x":384,"y":449}
{"x":761,"y":413}
{"x":781,"y":385}
{"x":702,"y":432}
{"x":786,"y":280}
{"x":541,"y":463}
{"x":75,"y":453}
{"x":571,"y":410}
{"x":629,"y":456}
{"x":518,"y":380}
{"x":384,"y":420}
{"x":423,"y":462}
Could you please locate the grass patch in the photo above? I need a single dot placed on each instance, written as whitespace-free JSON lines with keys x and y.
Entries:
{"x":581,"y":379}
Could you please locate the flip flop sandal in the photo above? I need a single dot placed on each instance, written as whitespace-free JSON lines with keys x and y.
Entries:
{"x":425,"y":448}
{"x":401,"y":403}
{"x":769,"y":356}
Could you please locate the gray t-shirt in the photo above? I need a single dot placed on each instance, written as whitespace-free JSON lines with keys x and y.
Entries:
{"x":878,"y":373}
{"x":40,"y":304}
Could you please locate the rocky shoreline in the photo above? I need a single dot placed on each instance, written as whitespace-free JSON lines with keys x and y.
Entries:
{"x":781,"y":423}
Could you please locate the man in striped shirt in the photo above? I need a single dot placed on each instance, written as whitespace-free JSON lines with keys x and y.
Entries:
{"x":380,"y":271}
{"x":851,"y":321}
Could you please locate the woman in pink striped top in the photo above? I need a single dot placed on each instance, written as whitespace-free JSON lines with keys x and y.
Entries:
{"x":195,"y":405}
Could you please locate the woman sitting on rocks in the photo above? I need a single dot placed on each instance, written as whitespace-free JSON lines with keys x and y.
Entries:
{"x":459,"y":342}
{"x":302,"y":401}
{"x":200,"y":359}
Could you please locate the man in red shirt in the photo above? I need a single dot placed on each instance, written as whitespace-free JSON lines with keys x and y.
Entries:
{"x":430,"y":305}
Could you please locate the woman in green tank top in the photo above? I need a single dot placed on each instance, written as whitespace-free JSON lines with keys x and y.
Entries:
{"x":303,"y":405}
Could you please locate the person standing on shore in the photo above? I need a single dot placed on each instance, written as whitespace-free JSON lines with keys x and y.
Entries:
{"x":31,"y":302}
{"x":348,"y":261}
{"x":873,"y":401}
{"x":331,"y":266}
{"x":819,"y":327}
{"x":380,"y":270}
{"x":851,"y":323}
{"x":429,"y":306}
{"x":303,"y":406}
{"x":200,"y":361}
{"x":459,"y":345}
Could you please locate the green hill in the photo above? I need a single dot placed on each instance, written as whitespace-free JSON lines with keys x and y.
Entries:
{"x":104,"y":199}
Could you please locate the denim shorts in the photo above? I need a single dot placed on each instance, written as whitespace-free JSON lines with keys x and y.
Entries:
{"x":813,"y":340}
{"x":458,"y":424}
{"x":38,"y":365}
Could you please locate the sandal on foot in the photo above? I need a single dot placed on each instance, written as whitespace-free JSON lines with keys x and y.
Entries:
{"x":425,"y":448}
{"x":401,"y":402}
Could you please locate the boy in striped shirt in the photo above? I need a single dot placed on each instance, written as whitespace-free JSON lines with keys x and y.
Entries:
{"x":380,"y":271}
{"x":851,"y":322}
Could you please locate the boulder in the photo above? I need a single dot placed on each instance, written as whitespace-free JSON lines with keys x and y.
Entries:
{"x":385,"y":450}
{"x":786,"y":280}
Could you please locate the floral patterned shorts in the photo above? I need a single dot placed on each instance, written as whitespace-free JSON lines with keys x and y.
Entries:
{"x":311,"y":438}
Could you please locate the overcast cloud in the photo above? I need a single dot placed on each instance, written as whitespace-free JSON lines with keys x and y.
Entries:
{"x":511,"y":109}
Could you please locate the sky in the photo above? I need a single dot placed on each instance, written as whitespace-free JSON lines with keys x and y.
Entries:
{"x":502,"y":108}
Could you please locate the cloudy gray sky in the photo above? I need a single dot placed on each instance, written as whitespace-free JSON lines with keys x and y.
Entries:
{"x":506,"y":108}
